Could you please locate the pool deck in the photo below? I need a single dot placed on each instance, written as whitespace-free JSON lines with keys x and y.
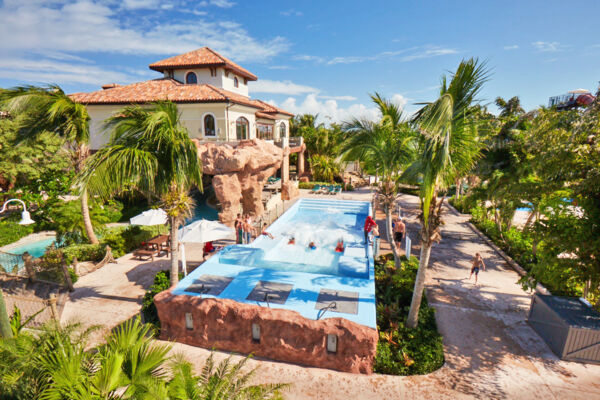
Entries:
{"x":491,"y":352}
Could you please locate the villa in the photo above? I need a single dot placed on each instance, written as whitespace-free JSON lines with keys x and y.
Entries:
{"x":211,"y":92}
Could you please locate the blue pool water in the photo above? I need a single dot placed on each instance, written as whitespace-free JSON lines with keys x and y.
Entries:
{"x":323,"y":222}
{"x":36,"y":249}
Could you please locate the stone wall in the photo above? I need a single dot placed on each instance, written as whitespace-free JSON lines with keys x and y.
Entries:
{"x":240,"y":171}
{"x":285,"y":335}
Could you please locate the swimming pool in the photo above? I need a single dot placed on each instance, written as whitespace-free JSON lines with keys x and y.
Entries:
{"x":35,"y":249}
{"x":297,"y":298}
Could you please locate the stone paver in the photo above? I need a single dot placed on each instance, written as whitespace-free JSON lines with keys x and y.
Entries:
{"x":490,"y":350}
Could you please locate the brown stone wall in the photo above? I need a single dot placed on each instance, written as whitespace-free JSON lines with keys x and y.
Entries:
{"x":225,"y":324}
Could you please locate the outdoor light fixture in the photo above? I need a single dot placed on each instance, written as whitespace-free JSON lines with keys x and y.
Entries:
{"x":189,"y":322}
{"x":332,"y":343}
{"x":25,"y":216}
{"x":255,"y":333}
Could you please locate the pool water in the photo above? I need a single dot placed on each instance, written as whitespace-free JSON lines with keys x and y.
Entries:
{"x":12,"y":264}
{"x":308,"y":272}
{"x":36,"y":249}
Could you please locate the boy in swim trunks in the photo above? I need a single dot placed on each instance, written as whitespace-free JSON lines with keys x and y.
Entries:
{"x":477,"y":262}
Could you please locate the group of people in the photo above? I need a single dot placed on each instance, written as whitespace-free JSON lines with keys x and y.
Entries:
{"x":244,"y":229}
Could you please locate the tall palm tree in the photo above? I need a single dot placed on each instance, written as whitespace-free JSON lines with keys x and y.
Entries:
{"x":449,"y":148}
{"x":50,"y":109}
{"x":386,"y":147}
{"x":151,"y":151}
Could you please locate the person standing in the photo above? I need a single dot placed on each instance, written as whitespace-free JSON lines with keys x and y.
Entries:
{"x":477,"y":263}
{"x":239,"y":229}
{"x":369,"y":225}
{"x":375,"y":241}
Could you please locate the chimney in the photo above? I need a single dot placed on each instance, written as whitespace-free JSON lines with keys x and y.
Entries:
{"x":110,"y":86}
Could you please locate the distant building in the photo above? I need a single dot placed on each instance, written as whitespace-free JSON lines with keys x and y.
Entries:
{"x":572,"y":99}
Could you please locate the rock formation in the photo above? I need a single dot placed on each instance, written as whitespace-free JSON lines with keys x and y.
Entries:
{"x":285,"y":335}
{"x":240,"y":172}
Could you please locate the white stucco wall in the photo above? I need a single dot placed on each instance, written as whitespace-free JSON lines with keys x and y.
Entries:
{"x":220,"y":80}
{"x":192,"y":117}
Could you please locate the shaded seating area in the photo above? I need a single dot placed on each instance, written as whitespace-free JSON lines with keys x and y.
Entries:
{"x":326,"y":189}
{"x":153,"y":248}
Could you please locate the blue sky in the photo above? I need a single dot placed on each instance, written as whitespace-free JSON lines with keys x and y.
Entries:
{"x":310,"y":56}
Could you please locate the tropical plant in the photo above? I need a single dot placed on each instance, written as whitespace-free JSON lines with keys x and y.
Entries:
{"x":449,"y":148}
{"x":151,"y":151}
{"x":385,"y":148}
{"x":55,"y":363}
{"x":49,"y":109}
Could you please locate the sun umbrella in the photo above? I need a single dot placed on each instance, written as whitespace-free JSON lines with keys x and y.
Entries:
{"x":202,"y":231}
{"x":151,"y":217}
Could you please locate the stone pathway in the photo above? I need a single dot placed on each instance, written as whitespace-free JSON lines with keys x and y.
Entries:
{"x":490,"y":350}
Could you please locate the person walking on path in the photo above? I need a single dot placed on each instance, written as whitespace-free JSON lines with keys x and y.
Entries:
{"x":369,"y":225}
{"x":477,"y":262}
{"x":399,"y":232}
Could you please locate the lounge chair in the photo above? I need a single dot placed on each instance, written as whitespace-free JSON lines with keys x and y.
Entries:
{"x":316,"y":189}
{"x":331,"y":189}
{"x":338,"y":189}
{"x":324,"y":190}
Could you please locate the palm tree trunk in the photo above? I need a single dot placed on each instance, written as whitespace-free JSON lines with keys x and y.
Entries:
{"x":415,"y":304}
{"x":5,"y":330}
{"x":87,"y":222}
{"x":390,"y":235}
{"x":174,"y":253}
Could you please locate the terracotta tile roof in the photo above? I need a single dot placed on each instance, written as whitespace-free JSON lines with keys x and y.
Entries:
{"x":269,"y":108}
{"x":170,"y":89}
{"x":161,"y":89}
{"x":203,"y":57}
{"x":263,"y":115}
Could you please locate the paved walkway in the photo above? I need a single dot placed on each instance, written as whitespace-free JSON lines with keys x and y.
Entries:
{"x":490,"y":350}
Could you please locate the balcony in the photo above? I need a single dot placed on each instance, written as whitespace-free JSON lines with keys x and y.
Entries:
{"x":289,"y":142}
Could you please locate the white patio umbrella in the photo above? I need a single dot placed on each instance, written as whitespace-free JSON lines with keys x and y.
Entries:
{"x":151,"y":217}
{"x":202,"y":231}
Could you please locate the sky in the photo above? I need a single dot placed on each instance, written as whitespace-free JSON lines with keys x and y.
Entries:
{"x":322,"y":57}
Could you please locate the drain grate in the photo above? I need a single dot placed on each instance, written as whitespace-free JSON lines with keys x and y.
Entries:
{"x":209,"y":284}
{"x":271,"y":292}
{"x":337,"y":301}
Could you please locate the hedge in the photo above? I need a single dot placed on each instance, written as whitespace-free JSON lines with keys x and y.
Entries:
{"x":11,"y":232}
{"x":309,"y":185}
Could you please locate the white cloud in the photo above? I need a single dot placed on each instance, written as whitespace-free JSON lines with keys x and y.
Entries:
{"x":512,"y":47}
{"x":43,"y":71}
{"x":82,"y":25}
{"x":408,"y":54}
{"x":339,"y":98}
{"x":50,"y":31}
{"x":548,"y":46}
{"x":281,"y":87}
{"x":329,"y":110}
{"x":282,"y":67}
{"x":291,"y":13}
{"x":218,"y":3}
{"x":140,"y":4}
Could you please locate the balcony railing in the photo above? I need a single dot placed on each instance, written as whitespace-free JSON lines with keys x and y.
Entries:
{"x":289,"y":142}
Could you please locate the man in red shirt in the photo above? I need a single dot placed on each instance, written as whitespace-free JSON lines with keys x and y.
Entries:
{"x":369,"y":224}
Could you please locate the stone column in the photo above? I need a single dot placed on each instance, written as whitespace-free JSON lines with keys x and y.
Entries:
{"x":300,"y":167}
{"x":285,"y":167}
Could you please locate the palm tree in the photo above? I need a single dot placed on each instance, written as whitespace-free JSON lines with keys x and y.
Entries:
{"x":386,"y":148}
{"x":50,"y":109}
{"x":449,"y":148}
{"x":54,"y":363}
{"x":149,"y":150}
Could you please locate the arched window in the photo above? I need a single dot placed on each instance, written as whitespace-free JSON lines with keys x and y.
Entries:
{"x":241,"y":128}
{"x":282,"y":131}
{"x":191,"y":78}
{"x":236,"y":83}
{"x":209,"y":125}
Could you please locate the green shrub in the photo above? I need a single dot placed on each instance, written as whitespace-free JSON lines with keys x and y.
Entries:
{"x":309,"y":185}
{"x":162,"y":281}
{"x":401,"y":350}
{"x":11,"y":232}
{"x":83,"y":252}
